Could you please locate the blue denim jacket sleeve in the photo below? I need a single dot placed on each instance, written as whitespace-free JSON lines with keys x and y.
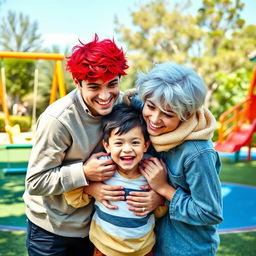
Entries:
{"x":202,"y":204}
{"x":136,"y":102}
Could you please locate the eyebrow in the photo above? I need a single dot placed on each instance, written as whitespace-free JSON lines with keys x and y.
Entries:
{"x":133,"y":138}
{"x":113,"y":81}
{"x":92,"y":84}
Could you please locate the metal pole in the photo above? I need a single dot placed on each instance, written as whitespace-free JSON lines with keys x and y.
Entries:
{"x":35,"y":95}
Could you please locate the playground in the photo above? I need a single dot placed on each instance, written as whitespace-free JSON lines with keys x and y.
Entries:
{"x":235,"y":143}
{"x":240,"y":216}
{"x":15,"y":148}
{"x":238,"y":188}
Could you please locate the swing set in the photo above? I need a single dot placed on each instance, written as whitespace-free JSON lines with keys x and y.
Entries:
{"x":57,"y":84}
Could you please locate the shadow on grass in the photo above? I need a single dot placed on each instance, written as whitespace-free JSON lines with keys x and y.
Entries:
{"x":242,"y":172}
{"x":14,"y":220}
{"x":11,"y":188}
{"x":12,"y":212}
{"x":240,"y":244}
{"x":13,"y":243}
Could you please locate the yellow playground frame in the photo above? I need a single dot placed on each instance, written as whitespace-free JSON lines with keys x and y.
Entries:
{"x":57,"y":81}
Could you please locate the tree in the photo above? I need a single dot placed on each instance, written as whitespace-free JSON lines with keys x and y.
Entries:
{"x":234,"y":78}
{"x":217,"y":18}
{"x":46,"y":70}
{"x":220,"y":20}
{"x":19,"y":78}
{"x":213,"y":42}
{"x":17,"y":33}
{"x":232,"y":89}
{"x":158,"y":35}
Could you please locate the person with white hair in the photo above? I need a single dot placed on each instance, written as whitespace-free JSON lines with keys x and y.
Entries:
{"x":171,"y":97}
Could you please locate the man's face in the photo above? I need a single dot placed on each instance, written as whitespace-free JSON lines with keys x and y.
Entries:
{"x":100,"y":96}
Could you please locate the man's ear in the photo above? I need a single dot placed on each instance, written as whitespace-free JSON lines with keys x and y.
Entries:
{"x":106,"y":146}
{"x":147,"y":143}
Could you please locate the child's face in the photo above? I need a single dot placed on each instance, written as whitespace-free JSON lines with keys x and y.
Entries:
{"x":100,"y":96}
{"x":159,"y":122}
{"x":127,"y":149}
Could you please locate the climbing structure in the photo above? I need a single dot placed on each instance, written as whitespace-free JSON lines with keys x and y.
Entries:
{"x":238,"y":124}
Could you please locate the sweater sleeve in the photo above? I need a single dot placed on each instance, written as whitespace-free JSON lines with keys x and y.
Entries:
{"x":47,"y":173}
{"x":160,"y":211}
{"x":77,"y":198}
{"x":202,"y":205}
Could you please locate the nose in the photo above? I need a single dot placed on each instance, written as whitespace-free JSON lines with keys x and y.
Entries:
{"x":127,"y":147}
{"x":104,"y":94}
{"x":155,"y":118}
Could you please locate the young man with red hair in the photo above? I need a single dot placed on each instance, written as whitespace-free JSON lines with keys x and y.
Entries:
{"x":62,"y":159}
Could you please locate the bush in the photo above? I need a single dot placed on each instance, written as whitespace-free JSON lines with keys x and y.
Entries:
{"x":23,"y":121}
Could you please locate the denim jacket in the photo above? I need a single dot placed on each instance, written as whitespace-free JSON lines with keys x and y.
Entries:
{"x":190,"y":227}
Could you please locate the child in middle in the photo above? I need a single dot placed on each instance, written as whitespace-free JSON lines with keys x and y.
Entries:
{"x":119,"y":232}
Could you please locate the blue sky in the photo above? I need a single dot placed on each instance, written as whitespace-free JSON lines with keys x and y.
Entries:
{"x":62,"y":22}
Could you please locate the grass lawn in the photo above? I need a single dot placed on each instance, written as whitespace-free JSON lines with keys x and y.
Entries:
{"x":239,"y":244}
{"x":12,"y":212}
{"x":12,"y":243}
{"x":11,"y":202}
{"x":242,"y":172}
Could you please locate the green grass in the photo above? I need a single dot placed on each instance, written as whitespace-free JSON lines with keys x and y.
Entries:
{"x":243,"y":172}
{"x":239,"y":244}
{"x":12,"y":212}
{"x":12,"y":243}
{"x":11,"y":202}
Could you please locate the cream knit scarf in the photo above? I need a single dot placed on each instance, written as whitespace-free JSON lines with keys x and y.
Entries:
{"x":200,"y":126}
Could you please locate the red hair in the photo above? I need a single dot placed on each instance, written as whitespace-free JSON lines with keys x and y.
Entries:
{"x":96,"y":60}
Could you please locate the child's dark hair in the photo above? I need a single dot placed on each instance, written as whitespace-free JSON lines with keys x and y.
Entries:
{"x":124,"y":117}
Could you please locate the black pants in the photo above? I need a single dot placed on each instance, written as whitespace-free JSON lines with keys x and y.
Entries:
{"x":43,"y":243}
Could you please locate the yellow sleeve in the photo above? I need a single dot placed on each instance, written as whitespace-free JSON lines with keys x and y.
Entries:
{"x":77,"y":198}
{"x":160,"y":211}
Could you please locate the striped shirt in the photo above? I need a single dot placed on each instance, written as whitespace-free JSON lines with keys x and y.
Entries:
{"x":119,"y":232}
